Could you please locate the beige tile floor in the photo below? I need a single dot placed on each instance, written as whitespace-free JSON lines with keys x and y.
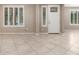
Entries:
{"x":66,"y":43}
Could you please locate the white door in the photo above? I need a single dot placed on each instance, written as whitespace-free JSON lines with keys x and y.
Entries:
{"x":53,"y":18}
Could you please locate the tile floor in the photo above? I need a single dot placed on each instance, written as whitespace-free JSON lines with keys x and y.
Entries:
{"x":66,"y":43}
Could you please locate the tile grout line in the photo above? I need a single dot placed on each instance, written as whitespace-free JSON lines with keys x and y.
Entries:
{"x":15,"y":46}
{"x":31,"y":46}
{"x":36,"y":51}
{"x":1,"y":45}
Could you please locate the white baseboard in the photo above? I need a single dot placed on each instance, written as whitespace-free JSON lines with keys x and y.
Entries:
{"x":25,"y":33}
{"x":40,"y":33}
{"x":43,"y":33}
{"x":37,"y":33}
{"x":16,"y":33}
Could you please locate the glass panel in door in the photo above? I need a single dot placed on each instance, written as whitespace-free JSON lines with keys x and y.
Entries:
{"x":6,"y":16}
{"x":11,"y":16}
{"x":16,"y":16}
{"x":75,"y":17}
{"x":44,"y":15}
{"x":78,"y":17}
{"x":20,"y":16}
{"x":71,"y":17}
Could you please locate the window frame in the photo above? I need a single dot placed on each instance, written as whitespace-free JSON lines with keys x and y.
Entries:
{"x":70,"y":17}
{"x":12,"y":6}
{"x":43,"y":6}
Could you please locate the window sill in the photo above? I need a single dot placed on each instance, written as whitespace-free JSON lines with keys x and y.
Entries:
{"x":74,"y":24}
{"x":13,"y":26}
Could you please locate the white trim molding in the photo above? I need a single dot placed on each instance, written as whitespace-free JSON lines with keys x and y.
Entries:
{"x":71,"y":5}
{"x":13,"y":7}
{"x":43,"y":25}
{"x":76,"y":10}
{"x":18,"y":33}
{"x":37,"y":19}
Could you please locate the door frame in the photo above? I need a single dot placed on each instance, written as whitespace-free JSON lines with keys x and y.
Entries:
{"x":59,"y":16}
{"x":38,"y":15}
{"x":42,"y":6}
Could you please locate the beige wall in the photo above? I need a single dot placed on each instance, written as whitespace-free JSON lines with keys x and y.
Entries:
{"x":30,"y":17}
{"x":42,"y":29}
{"x":30,"y":21}
{"x":62,"y":18}
{"x":45,"y":29}
{"x":66,"y":18}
